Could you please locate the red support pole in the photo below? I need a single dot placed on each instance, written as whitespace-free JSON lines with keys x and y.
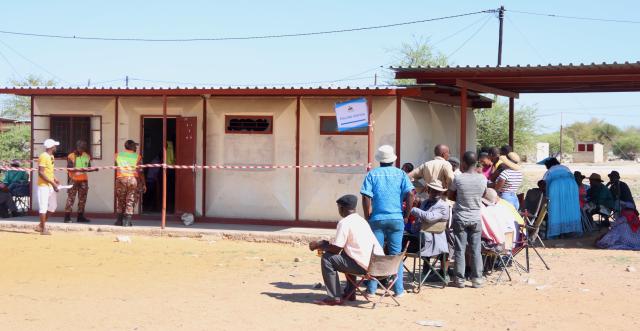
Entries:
{"x":370,"y":134}
{"x":204,"y":156}
{"x":164,"y":162}
{"x":511,"y":122}
{"x":115,"y":146}
{"x":398,"y":127}
{"x":32,"y":164}
{"x":297,"y":158}
{"x":463,"y":120}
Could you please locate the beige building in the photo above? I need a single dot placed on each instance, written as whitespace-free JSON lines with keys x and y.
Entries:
{"x":243,"y":127}
{"x":588,"y":152}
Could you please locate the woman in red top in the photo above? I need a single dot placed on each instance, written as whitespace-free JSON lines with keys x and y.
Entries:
{"x":582,"y":188}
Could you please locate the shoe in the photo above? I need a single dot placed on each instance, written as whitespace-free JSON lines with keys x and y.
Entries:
{"x":82,"y":219}
{"x":45,"y":232}
{"x":329,"y":302}
{"x":458,"y":283}
{"x":119,"y":220}
{"x":127,"y":221}
{"x":67,"y":218}
{"x":347,"y":297}
{"x":477,"y":283}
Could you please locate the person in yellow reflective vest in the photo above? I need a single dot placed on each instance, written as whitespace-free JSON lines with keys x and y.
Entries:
{"x":79,"y":158}
{"x":127,"y":177}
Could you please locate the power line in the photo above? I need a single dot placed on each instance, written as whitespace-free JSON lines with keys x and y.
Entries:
{"x":470,"y":37}
{"x":272,"y":36}
{"x":10,"y":65}
{"x":610,"y":20}
{"x":32,"y":62}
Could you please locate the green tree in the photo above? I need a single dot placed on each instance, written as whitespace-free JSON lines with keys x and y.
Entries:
{"x":553,"y":139}
{"x":19,"y":107}
{"x":493,"y":124}
{"x":15,"y":143}
{"x":628,"y":146}
{"x":418,"y":53}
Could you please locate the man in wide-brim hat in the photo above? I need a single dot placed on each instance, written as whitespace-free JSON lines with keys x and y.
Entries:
{"x":432,"y":210}
{"x":600,"y":200}
{"x":620,"y":191}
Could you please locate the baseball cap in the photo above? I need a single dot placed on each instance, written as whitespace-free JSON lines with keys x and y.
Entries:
{"x":50,"y":143}
{"x":348,"y":201}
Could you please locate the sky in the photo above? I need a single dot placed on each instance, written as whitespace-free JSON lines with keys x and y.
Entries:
{"x":351,"y":58}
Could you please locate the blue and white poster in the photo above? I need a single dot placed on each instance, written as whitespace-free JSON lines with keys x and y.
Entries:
{"x":352,"y":114}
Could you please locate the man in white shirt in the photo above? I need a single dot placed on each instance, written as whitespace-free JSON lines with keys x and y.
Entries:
{"x":349,"y":252}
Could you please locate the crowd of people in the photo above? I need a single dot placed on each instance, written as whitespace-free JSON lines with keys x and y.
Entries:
{"x":476,"y":198}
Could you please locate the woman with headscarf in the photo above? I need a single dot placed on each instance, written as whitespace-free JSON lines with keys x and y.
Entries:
{"x":564,"y":205}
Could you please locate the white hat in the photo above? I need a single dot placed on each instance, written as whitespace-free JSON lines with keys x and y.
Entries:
{"x":436,"y":184}
{"x":385,"y":154}
{"x":50,"y":143}
{"x":490,"y":197}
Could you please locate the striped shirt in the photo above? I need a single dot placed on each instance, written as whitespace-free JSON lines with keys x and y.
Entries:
{"x":512,"y":180}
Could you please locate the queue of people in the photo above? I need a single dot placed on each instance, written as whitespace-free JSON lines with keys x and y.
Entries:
{"x":129,"y":183}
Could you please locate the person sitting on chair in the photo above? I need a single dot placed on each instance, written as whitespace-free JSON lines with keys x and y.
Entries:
{"x":599,"y":198}
{"x":7,"y":206}
{"x":432,"y":210}
{"x":349,"y":252}
{"x":620,"y":192}
{"x":14,"y":179}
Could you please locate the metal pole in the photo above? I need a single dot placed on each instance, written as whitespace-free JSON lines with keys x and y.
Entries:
{"x":463,"y":121}
{"x":501,"y":19}
{"x":370,"y":134}
{"x":511,"y":122}
{"x":164,"y":161}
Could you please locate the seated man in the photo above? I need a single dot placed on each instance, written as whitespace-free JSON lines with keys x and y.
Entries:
{"x":16,"y":179}
{"x":432,"y":210}
{"x":532,"y":198}
{"x":349,"y":252}
{"x":620,"y":192}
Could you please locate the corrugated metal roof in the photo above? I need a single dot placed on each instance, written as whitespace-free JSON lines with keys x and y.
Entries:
{"x":217,"y":88}
{"x":581,"y":66}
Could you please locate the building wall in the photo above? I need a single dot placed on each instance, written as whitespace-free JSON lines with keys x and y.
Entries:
{"x":100,"y":198}
{"x":251,"y":194}
{"x":426,"y":124}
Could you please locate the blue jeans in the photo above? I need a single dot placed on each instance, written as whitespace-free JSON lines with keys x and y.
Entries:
{"x":391,"y":231}
{"x":511,"y":198}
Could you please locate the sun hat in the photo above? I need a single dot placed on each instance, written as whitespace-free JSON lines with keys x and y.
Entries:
{"x":614,"y":175}
{"x":385,"y":154}
{"x":511,"y":160}
{"x":348,"y":201}
{"x":436,"y":184}
{"x":50,"y":143}
{"x":595,"y":177}
{"x":578,"y":174}
{"x":490,"y":197}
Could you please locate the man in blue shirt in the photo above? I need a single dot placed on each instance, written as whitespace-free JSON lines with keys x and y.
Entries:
{"x":383,"y":191}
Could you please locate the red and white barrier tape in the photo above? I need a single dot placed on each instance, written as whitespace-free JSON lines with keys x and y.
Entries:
{"x":222,"y":167}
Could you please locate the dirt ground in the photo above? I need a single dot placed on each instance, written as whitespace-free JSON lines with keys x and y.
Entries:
{"x":87,"y":281}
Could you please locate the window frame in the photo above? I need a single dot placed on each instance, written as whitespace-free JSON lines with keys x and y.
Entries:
{"x":91,"y":132}
{"x":338,"y":133}
{"x":228,"y":117}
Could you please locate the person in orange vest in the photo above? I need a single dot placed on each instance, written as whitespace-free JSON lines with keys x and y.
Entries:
{"x":80,"y":181}
{"x":127,"y":176}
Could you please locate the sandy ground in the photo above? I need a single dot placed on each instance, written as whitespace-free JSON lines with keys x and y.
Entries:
{"x":87,"y":281}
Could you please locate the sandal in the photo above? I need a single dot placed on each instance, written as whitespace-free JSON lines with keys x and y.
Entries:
{"x":37,"y":228}
{"x":45,"y":233}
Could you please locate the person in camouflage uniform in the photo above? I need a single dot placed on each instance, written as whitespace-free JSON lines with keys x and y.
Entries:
{"x":127,"y":182}
{"x":80,"y":181}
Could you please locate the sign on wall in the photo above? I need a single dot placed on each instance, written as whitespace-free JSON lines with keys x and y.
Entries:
{"x":352,"y":114}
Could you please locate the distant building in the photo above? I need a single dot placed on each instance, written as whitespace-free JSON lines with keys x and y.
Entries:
{"x":7,"y":123}
{"x":588,"y":152}
{"x":542,"y":151}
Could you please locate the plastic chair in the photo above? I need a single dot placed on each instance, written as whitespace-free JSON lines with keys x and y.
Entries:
{"x":380,"y":267}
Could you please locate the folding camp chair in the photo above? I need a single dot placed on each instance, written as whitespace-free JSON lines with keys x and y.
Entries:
{"x":499,"y":257}
{"x":380,"y":267}
{"x":431,"y":262}
{"x":21,"y":193}
{"x":532,"y":236}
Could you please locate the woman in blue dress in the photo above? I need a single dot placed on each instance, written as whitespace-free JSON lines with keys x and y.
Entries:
{"x":564,"y":205}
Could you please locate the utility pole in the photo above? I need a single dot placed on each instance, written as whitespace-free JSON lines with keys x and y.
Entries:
{"x":126,"y":81}
{"x":501,"y":19}
{"x":375,"y":79}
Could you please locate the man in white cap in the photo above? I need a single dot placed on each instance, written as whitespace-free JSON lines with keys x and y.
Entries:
{"x":47,"y":185}
{"x":383,"y":191}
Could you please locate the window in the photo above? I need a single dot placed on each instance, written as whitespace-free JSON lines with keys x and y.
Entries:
{"x":69,"y":129}
{"x":589,"y":147}
{"x":249,"y":124}
{"x":329,"y":125}
{"x":581,"y":148}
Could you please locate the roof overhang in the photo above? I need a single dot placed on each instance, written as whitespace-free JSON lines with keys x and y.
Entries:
{"x":510,"y":81}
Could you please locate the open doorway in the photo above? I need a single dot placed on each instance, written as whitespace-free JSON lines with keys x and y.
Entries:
{"x":152,"y":154}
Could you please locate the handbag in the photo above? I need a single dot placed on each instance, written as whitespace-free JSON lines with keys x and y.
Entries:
{"x":437,"y":227}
